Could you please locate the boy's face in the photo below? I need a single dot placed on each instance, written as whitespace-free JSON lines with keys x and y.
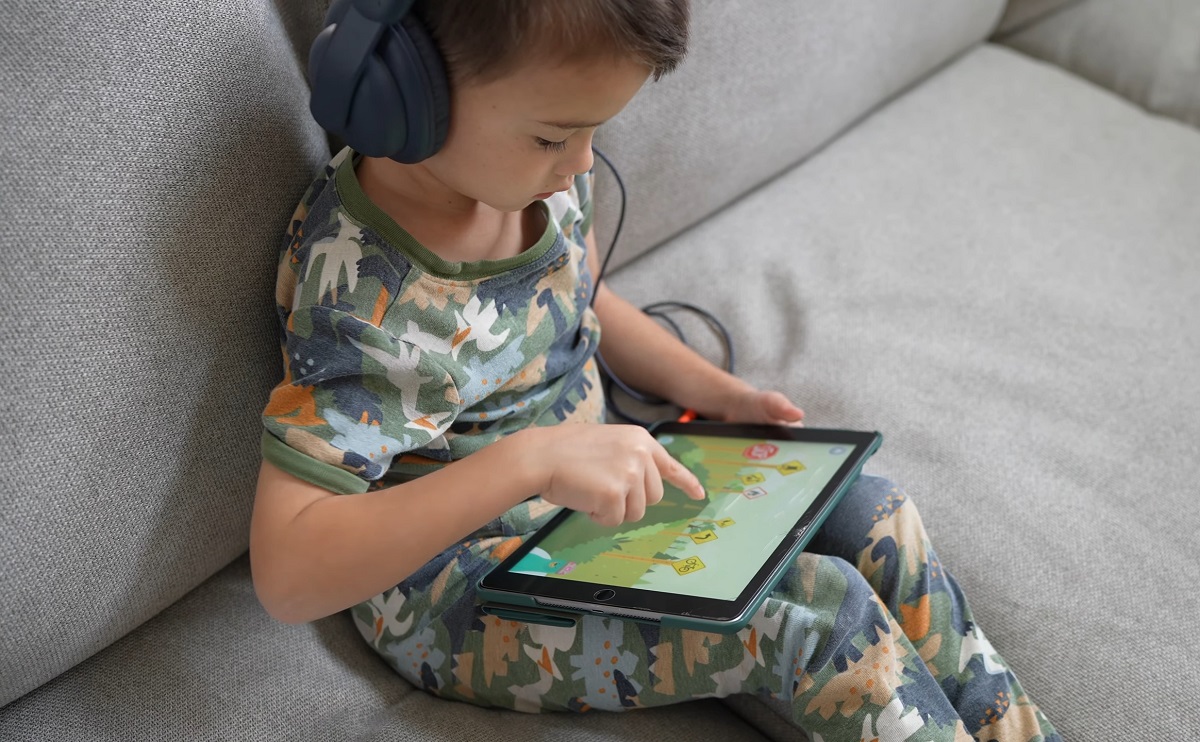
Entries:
{"x":502,"y":147}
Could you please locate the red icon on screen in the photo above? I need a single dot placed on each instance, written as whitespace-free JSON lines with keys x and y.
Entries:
{"x":760,"y":451}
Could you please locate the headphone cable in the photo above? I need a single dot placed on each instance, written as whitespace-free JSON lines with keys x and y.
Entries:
{"x":658,"y":310}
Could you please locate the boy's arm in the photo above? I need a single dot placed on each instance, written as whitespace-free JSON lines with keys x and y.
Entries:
{"x":649,"y":358}
{"x":313,"y":553}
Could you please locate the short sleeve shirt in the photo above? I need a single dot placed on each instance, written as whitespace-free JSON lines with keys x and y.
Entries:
{"x":397,"y":361}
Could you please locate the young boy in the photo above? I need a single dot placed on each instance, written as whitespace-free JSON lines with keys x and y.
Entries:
{"x":440,"y":398}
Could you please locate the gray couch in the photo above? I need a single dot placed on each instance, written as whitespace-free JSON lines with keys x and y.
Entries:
{"x":974,"y":228}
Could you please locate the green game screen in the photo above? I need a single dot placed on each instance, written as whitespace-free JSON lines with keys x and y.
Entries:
{"x":709,"y":548}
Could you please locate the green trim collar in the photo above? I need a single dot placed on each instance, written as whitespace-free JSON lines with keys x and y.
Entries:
{"x":360,"y":208}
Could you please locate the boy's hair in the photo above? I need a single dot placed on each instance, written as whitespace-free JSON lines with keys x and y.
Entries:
{"x":483,"y":40}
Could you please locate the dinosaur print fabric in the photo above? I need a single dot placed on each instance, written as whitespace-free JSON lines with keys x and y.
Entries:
{"x":868,"y":636}
{"x":396,"y":361}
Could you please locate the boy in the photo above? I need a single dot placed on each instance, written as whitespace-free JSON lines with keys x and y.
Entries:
{"x":439,"y":329}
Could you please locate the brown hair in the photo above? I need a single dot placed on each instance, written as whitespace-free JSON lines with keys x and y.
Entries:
{"x":483,"y":40}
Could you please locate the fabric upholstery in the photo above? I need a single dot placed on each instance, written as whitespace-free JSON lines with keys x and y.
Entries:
{"x":154,"y":160}
{"x":1018,"y":13}
{"x":151,"y":162}
{"x":999,"y":271}
{"x":764,"y":85}
{"x":1146,"y":50}
{"x":214,"y":666}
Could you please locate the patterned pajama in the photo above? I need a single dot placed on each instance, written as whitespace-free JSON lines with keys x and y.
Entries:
{"x":867,"y":636}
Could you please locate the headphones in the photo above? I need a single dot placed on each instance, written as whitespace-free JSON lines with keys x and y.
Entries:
{"x":378,"y":80}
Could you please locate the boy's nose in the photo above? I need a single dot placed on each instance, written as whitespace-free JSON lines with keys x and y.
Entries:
{"x":588,"y":158}
{"x":580,"y":161}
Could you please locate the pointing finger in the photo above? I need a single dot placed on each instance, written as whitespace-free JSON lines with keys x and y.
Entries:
{"x":677,"y":474}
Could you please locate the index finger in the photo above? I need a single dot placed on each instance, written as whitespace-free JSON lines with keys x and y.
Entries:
{"x":677,"y":474}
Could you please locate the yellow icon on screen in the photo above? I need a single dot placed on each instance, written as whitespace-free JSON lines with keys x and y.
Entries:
{"x":790,"y":467}
{"x":688,"y":565}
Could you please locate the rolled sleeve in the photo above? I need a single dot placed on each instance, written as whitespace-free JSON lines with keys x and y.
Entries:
{"x":352,"y":399}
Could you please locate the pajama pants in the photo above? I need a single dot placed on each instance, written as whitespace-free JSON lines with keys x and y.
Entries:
{"x":866,"y":636}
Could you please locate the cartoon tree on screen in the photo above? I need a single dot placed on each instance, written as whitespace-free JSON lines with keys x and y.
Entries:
{"x":584,"y":552}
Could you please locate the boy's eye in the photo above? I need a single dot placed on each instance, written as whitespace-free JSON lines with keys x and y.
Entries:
{"x":550,"y":146}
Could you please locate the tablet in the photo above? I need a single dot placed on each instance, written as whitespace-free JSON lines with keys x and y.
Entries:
{"x":698,"y":564}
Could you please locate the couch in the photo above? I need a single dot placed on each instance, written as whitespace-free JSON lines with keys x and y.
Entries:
{"x":972,"y":226}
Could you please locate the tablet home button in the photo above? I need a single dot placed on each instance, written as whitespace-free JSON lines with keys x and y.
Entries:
{"x":604,"y":594}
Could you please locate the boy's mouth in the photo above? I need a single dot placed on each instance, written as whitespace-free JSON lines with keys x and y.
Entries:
{"x":548,"y":194}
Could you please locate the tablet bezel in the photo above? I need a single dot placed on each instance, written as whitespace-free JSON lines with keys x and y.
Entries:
{"x":631,"y":601}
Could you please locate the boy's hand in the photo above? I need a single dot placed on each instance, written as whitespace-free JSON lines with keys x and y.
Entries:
{"x":610,"y":472}
{"x":756,"y":406}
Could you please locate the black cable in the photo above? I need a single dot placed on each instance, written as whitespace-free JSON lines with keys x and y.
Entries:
{"x":620,"y":221}
{"x":666,"y":318}
{"x":656,"y":310}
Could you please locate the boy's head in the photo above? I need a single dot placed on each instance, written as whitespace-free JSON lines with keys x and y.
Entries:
{"x":483,"y":40}
{"x":530,"y":81}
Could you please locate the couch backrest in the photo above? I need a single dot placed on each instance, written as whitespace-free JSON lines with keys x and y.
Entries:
{"x":765,"y":84}
{"x":1019,"y":13}
{"x":152,"y":154}
{"x":1147,"y":51}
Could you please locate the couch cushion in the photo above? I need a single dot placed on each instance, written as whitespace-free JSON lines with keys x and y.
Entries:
{"x":1146,"y":50}
{"x":1000,"y":271}
{"x":151,"y":160}
{"x":764,"y":85}
{"x":214,"y":666}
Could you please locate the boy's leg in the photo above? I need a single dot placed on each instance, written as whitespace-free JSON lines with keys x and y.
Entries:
{"x":822,"y":650}
{"x":877,"y":528}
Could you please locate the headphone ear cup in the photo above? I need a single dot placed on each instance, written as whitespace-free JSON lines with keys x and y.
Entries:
{"x":378,"y":123}
{"x":436,"y":88}
{"x":398,"y":103}
{"x":328,"y":108}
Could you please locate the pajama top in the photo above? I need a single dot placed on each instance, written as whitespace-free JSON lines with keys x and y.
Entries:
{"x":397,"y":361}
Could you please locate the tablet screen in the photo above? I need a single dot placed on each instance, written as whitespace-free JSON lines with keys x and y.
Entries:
{"x":711,"y":548}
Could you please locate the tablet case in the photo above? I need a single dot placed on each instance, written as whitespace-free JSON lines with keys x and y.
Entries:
{"x":526,"y":609}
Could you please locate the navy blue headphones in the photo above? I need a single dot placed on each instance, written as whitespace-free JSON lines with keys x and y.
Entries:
{"x":378,"y":80}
